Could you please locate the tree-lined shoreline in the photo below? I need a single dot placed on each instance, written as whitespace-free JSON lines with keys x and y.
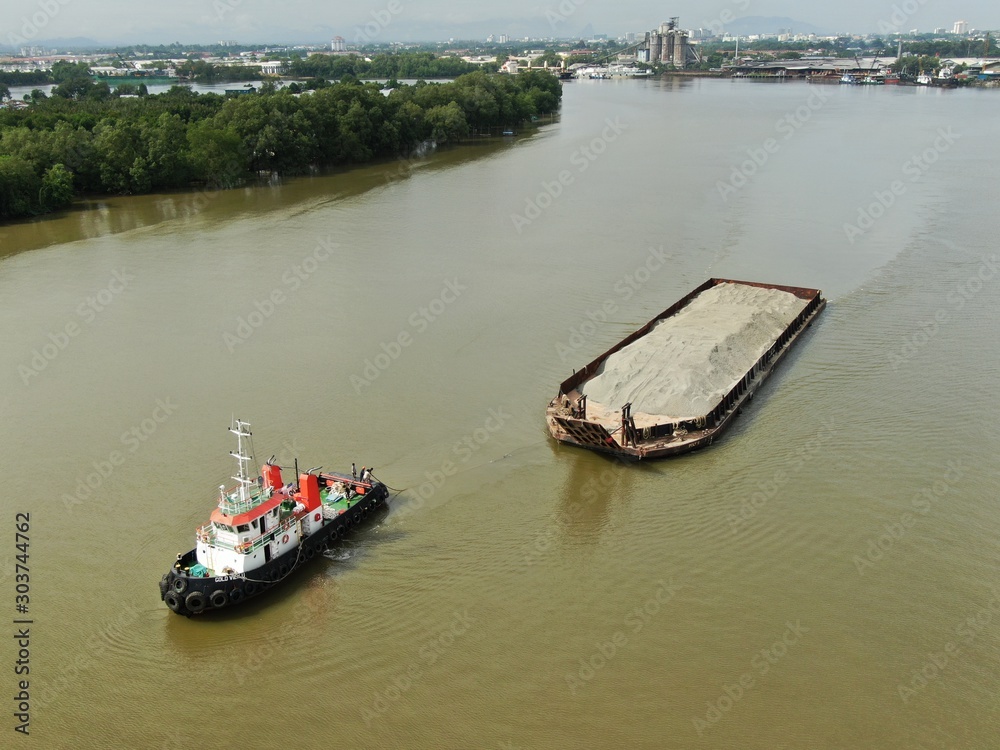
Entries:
{"x":63,"y":147}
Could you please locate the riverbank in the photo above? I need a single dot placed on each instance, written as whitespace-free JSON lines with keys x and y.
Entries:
{"x":59,"y":148}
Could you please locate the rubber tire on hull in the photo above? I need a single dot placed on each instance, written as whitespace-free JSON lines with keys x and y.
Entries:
{"x":195,"y":601}
{"x":236,"y":595}
{"x":219,"y":599}
{"x":180,"y":585}
{"x":173,"y":600}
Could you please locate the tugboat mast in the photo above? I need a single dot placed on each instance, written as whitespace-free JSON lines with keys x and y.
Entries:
{"x":242,"y":477}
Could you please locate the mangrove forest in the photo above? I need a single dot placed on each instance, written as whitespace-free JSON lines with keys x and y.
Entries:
{"x":86,"y":140}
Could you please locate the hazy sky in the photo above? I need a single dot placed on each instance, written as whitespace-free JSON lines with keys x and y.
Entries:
{"x":199,"y":21}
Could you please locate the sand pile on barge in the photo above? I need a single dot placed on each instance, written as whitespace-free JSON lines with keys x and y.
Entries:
{"x":687,"y":363}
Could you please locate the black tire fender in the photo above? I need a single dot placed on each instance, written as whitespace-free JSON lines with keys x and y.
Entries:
{"x":219,"y":599}
{"x":195,"y":601}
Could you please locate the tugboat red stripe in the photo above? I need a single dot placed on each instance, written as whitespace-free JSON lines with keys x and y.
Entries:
{"x":219,"y":517}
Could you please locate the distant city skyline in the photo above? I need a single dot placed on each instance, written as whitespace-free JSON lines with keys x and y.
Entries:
{"x":26,"y":22}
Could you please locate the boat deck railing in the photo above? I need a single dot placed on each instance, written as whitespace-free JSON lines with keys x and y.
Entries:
{"x":231,"y":505}
{"x":208,"y":534}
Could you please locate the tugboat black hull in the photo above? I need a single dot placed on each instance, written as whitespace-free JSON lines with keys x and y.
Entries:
{"x":192,"y":595}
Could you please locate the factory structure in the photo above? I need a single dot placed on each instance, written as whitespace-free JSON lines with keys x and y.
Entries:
{"x":667,"y":45}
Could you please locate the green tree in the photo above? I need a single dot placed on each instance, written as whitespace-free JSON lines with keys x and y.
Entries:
{"x":120,"y":152}
{"x":167,"y":151}
{"x":63,"y":71}
{"x":18,"y":187}
{"x":448,"y":123}
{"x":4,"y":92}
{"x":216,"y":154}
{"x":57,"y":188}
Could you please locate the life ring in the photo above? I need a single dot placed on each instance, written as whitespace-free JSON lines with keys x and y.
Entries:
{"x":195,"y":601}
{"x":172,"y":600}
{"x":284,"y":539}
{"x":317,"y":517}
{"x":235,"y":595}
{"x":180,"y":585}
{"x":219,"y":599}
{"x":251,"y":588}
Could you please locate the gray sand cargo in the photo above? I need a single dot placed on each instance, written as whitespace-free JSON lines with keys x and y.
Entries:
{"x":676,"y":383}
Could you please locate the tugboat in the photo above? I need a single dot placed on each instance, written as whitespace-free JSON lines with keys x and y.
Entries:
{"x":263,"y":530}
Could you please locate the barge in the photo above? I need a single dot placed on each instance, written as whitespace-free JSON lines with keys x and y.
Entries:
{"x":679,"y":381}
{"x":263,"y":530}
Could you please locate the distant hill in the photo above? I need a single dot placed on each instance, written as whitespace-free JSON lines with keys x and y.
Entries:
{"x":62,"y":44}
{"x":770,"y":25}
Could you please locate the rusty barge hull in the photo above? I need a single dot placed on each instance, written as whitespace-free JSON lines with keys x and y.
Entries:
{"x":569,"y":422}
